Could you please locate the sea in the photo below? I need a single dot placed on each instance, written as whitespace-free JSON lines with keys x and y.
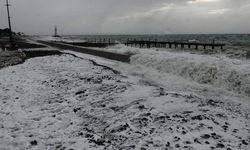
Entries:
{"x":228,"y":68}
{"x":237,"y":45}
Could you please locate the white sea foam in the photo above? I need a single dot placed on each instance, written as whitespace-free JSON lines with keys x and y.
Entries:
{"x":72,"y":103}
{"x":231,"y":74}
{"x":217,"y":70}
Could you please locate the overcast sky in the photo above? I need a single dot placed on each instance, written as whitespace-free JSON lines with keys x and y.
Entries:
{"x":128,"y":16}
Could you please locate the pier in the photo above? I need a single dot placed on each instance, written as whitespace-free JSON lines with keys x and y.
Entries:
{"x":104,"y":42}
{"x":162,"y":44}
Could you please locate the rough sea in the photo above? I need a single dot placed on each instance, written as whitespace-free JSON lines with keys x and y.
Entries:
{"x":237,"y":45}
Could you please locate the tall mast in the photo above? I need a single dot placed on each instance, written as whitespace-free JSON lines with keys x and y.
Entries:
{"x":10,"y":30}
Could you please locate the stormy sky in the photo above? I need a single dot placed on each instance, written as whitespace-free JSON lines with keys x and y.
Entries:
{"x":128,"y":16}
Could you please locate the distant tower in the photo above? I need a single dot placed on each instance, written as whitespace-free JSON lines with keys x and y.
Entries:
{"x":55,"y":34}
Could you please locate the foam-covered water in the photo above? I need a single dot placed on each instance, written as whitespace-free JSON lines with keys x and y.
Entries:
{"x":231,"y":74}
{"x":228,"y":69}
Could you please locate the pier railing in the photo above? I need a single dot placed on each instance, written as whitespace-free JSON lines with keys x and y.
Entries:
{"x":162,"y":44}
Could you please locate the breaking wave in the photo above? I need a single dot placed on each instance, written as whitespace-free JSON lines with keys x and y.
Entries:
{"x":222,"y":72}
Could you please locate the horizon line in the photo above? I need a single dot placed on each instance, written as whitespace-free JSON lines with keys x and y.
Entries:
{"x":129,"y":34}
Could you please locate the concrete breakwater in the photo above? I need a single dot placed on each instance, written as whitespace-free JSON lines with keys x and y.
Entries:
{"x":104,"y":54}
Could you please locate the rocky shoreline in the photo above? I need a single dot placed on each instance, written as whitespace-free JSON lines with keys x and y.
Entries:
{"x":10,"y":58}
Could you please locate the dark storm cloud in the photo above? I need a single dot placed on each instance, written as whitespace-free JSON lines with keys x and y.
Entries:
{"x":128,"y":16}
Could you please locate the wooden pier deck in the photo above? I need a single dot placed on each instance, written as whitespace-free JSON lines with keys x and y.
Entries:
{"x":162,"y":44}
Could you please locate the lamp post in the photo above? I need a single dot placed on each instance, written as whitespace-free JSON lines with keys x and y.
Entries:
{"x":10,"y":31}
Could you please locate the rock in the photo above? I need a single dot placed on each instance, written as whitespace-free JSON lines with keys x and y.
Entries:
{"x":33,"y":142}
{"x":187,"y":112}
{"x":168,"y":144}
{"x":80,"y":134}
{"x":220,"y":145}
{"x":187,"y":142}
{"x":58,"y":146}
{"x":199,"y":117}
{"x":177,"y":145}
{"x":176,"y":139}
{"x":205,"y":136}
{"x":89,"y":136}
{"x":80,"y":92}
{"x":244,"y":142}
{"x":197,"y":141}
{"x":235,"y":130}
{"x":76,"y":109}
{"x":220,"y":115}
{"x":151,"y":131}
{"x":120,"y":128}
{"x":248,"y":55}
{"x":98,"y":141}
{"x":141,"y":107}
{"x":225,"y":127}
{"x":186,"y":146}
{"x":213,"y":103}
{"x":215,"y":136}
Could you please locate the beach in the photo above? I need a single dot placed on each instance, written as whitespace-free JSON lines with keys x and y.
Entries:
{"x":125,"y":75}
{"x":159,"y":100}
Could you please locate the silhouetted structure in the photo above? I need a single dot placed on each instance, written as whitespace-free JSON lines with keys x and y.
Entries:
{"x":8,"y":13}
{"x":162,"y":44}
{"x":4,"y":32}
{"x":55,"y":32}
{"x":105,"y":54}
